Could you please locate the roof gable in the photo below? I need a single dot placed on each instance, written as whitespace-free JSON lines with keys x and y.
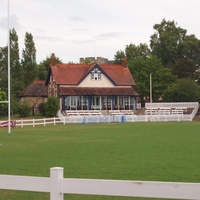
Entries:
{"x":35,"y":89}
{"x":96,"y":67}
{"x":73,"y":74}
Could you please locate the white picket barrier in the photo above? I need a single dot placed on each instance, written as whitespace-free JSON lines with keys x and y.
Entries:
{"x":152,"y":114}
{"x":57,"y":186}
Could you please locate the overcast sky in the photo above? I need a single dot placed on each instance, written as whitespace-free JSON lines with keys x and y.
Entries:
{"x":89,"y":28}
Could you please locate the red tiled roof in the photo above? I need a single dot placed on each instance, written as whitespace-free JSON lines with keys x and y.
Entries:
{"x":72,"y":74}
{"x":119,"y":74}
{"x":68,"y":74}
{"x":78,"y":91}
{"x":35,"y":89}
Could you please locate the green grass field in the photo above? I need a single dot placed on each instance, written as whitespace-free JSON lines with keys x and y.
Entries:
{"x":121,"y":151}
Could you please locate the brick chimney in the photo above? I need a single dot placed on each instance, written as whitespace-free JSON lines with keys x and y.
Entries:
{"x":125,"y":62}
{"x":53,"y":59}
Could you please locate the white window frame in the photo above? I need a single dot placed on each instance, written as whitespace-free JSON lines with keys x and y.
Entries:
{"x":95,"y":74}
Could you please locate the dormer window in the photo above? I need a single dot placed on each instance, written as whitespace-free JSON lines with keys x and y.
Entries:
{"x":96,"y":74}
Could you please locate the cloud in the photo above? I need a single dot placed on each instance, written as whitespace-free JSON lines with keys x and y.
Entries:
{"x":81,"y":41}
{"x":13,"y":23}
{"x":76,"y":19}
{"x":49,"y":38}
{"x":108,"y":35}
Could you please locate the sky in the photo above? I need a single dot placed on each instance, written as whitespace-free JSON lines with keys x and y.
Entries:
{"x":92,"y":28}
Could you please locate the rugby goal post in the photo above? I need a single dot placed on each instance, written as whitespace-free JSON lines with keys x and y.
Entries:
{"x":8,"y":32}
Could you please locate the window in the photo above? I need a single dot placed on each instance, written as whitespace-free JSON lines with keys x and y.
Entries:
{"x":96,"y":74}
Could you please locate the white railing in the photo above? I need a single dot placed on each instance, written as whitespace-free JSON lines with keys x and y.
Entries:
{"x":57,"y":186}
{"x":117,"y":118}
{"x":172,"y":105}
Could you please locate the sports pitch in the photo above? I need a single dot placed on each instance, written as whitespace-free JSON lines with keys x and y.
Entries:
{"x":120,"y":151}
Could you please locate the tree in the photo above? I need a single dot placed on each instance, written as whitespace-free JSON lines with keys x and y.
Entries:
{"x":16,"y":72}
{"x":141,"y":64}
{"x":51,"y":107}
{"x":184,"y":68}
{"x":24,"y":110}
{"x":189,"y":48}
{"x":184,"y":90}
{"x":136,"y":51}
{"x":165,"y":41}
{"x":43,"y":67}
{"x":15,"y":65}
{"x":4,"y":69}
{"x":17,"y":75}
{"x":118,"y":57}
{"x":29,"y":59}
{"x":3,"y":106}
{"x":132,"y":51}
{"x":161,"y":77}
{"x":41,"y":108}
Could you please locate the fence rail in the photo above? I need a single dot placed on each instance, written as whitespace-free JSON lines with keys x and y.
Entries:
{"x":57,"y":186}
{"x":116,"y":118}
{"x":172,"y":105}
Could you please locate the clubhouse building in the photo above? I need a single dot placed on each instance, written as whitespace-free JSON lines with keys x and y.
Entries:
{"x":92,"y":86}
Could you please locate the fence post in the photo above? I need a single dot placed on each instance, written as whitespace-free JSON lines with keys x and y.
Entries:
{"x":22,"y":123}
{"x":56,"y":173}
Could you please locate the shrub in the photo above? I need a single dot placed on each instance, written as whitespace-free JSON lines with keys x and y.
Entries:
{"x":24,"y":110}
{"x":41,"y":109}
{"x":51,"y":107}
{"x":184,"y":90}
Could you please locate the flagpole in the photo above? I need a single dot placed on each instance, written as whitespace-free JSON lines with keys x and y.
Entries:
{"x":150,"y":96}
{"x":150,"y":89}
{"x":9,"y":129}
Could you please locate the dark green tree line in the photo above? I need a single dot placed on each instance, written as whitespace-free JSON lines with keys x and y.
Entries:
{"x":170,"y":55}
{"x":29,"y":59}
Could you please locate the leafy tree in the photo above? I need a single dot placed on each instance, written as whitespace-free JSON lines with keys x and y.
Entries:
{"x":165,"y":41}
{"x":16,"y":71}
{"x":51,"y":106}
{"x":3,"y":96}
{"x":24,"y":110}
{"x":3,"y":106}
{"x":136,"y":51}
{"x":184,"y":90}
{"x":4,"y":68}
{"x":42,"y":109}
{"x":29,"y":59}
{"x":118,"y":57}
{"x":184,"y":68}
{"x":42,"y":68}
{"x":15,"y":65}
{"x":189,"y":48}
{"x":161,"y":77}
{"x":132,"y":51}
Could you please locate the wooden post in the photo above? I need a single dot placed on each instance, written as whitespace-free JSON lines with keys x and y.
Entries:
{"x":56,"y":174}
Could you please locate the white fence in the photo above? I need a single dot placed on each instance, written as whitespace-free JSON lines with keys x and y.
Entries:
{"x":57,"y":186}
{"x":117,"y":118}
{"x":172,"y":105}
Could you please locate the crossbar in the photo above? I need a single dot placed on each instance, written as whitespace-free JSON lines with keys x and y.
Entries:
{"x":3,"y":101}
